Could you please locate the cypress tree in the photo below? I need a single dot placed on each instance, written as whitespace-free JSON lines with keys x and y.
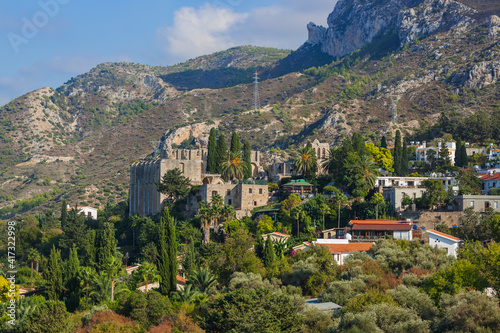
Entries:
{"x":53,"y":275}
{"x":221,"y":152}
{"x":235,"y":148}
{"x":269,"y":255}
{"x":167,"y":254}
{"x":72,"y":282}
{"x":404,"y":158}
{"x":458,"y":153}
{"x":383,"y":142}
{"x":190,"y":260}
{"x":212,"y":152}
{"x":397,"y":154}
{"x":74,"y":231}
{"x":463,"y":155}
{"x":64,"y":214}
{"x":105,"y":244}
{"x":247,"y":158}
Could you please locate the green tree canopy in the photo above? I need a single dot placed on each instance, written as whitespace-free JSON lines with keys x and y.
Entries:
{"x":174,"y":185}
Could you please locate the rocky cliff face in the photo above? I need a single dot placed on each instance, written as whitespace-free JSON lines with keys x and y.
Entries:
{"x":355,"y":23}
{"x":430,"y":16}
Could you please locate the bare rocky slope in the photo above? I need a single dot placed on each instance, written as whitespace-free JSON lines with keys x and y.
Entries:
{"x":77,"y":141}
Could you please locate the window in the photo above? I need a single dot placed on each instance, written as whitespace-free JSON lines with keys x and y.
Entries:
{"x":214,"y":193}
{"x":255,"y":203}
{"x":250,"y":190}
{"x":228,"y":192}
{"x":260,"y":191}
{"x":229,"y":201}
{"x":496,"y":204}
{"x":472,"y":203}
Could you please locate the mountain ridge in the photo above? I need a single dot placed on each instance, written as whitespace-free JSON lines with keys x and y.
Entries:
{"x":81,"y":137}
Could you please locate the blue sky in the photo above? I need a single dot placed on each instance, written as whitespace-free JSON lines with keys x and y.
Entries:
{"x":46,"y":42}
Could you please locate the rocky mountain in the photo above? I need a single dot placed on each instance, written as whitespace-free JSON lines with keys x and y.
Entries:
{"x":427,"y":58}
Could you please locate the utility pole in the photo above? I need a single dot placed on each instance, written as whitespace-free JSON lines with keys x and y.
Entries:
{"x":394,"y":106}
{"x":256,"y":97}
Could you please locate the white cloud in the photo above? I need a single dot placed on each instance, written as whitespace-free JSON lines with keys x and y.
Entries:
{"x":200,"y":31}
{"x":196,"y":32}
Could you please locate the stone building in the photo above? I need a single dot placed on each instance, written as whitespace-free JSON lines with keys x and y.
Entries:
{"x":243,"y":197}
{"x":145,"y":200}
{"x":322,"y":151}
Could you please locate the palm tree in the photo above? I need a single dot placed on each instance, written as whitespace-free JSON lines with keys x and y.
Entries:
{"x":368,"y":171}
{"x":205,"y":214}
{"x":87,"y":276}
{"x":279,"y":247}
{"x":233,"y":168}
{"x":330,"y":163}
{"x":298,"y":213}
{"x":112,"y":267}
{"x":102,"y":287}
{"x":33,"y":255}
{"x":324,"y":209}
{"x":187,"y":294}
{"x":304,"y":162}
{"x":148,"y":272}
{"x":202,"y":279}
{"x":340,"y":199}
{"x":216,"y":207}
{"x":377,"y":199}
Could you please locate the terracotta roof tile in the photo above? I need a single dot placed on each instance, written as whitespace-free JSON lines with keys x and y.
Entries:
{"x":180,"y":279}
{"x":487,"y":176}
{"x":351,"y":247}
{"x":442,"y":234}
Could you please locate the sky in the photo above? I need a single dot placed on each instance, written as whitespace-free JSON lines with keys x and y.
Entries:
{"x":44,"y":43}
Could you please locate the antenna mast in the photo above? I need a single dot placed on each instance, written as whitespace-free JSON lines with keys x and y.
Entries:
{"x":394,"y":100}
{"x":256,"y":97}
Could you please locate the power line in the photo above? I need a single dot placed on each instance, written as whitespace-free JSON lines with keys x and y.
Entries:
{"x":256,"y":97}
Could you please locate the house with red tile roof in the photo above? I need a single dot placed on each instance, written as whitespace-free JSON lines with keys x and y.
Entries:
{"x":444,"y":241}
{"x":489,"y":180}
{"x":342,"y":248}
{"x":370,"y":230}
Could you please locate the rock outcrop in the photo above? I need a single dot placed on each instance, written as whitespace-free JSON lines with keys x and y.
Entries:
{"x":479,"y":76}
{"x":355,"y":23}
{"x":494,"y":26}
{"x":199,"y":132}
{"x":430,"y":16}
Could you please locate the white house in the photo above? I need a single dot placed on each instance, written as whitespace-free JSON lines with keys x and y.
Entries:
{"x":88,"y":212}
{"x":423,"y":151}
{"x":489,"y":180}
{"x":444,"y":241}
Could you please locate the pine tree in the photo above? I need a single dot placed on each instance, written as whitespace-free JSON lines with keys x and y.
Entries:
{"x":105,"y":245}
{"x":269,"y":255}
{"x":383,"y":142}
{"x":404,"y":158}
{"x":397,"y":154}
{"x":235,"y":148}
{"x":221,"y":152}
{"x":64,"y":214}
{"x":247,"y":158}
{"x":167,"y":254}
{"x":53,"y":275}
{"x":212,"y":152}
{"x":72,"y":282}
